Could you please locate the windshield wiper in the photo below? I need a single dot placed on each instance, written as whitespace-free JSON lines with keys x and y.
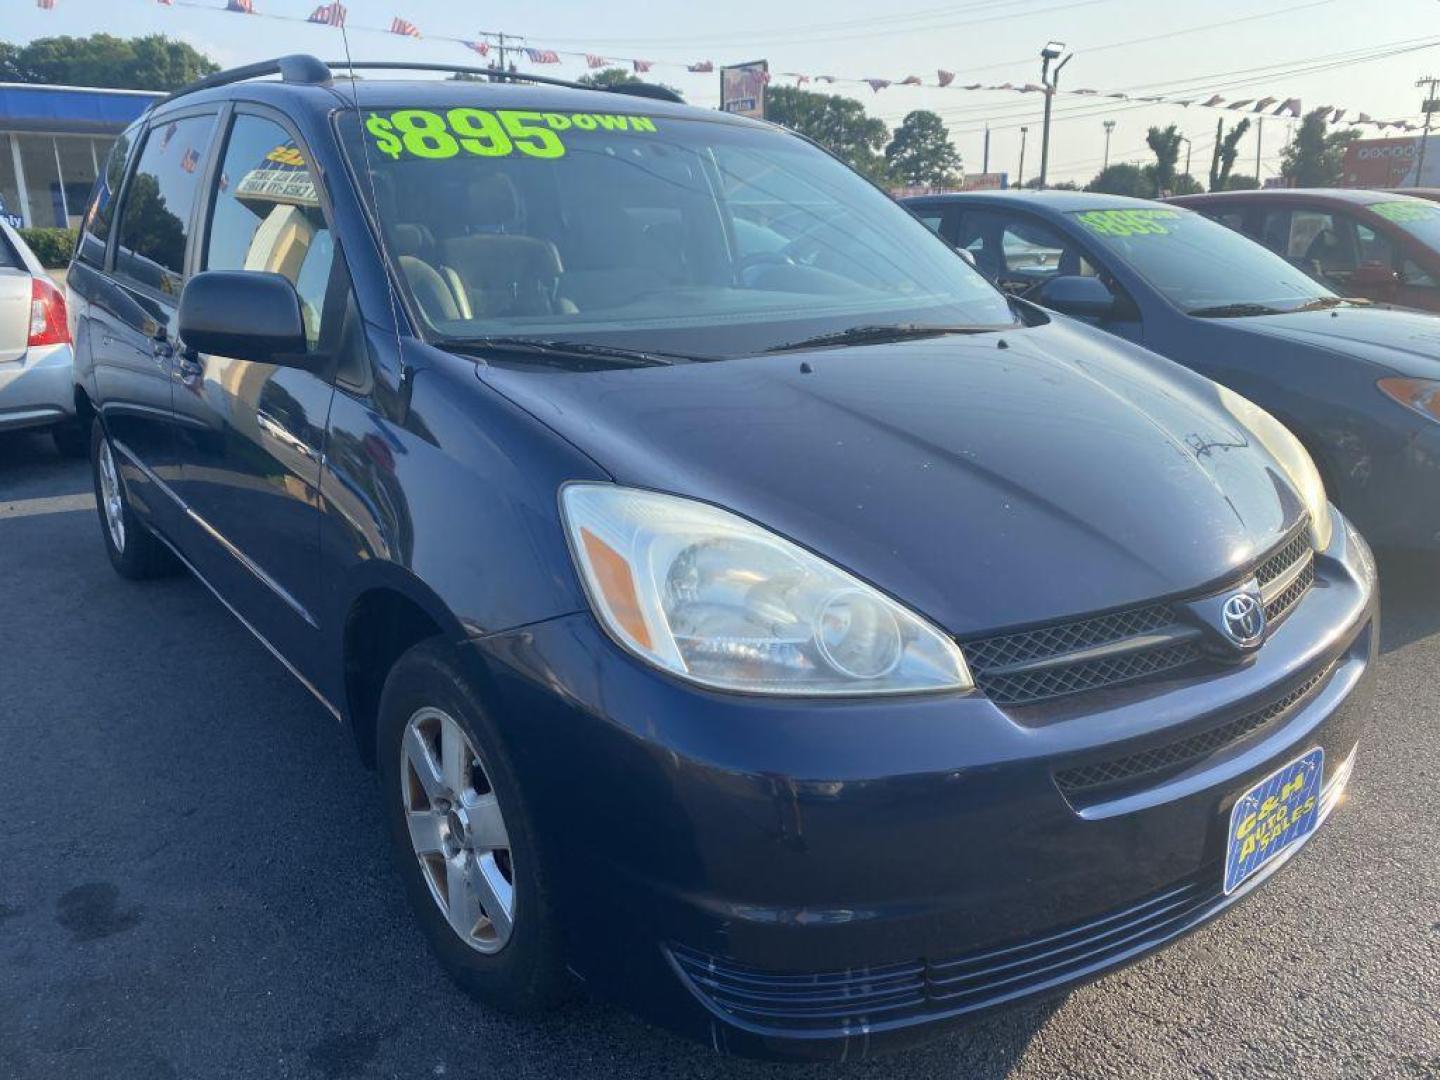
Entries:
{"x":1234,"y":311}
{"x":880,"y":334}
{"x":558,"y":348}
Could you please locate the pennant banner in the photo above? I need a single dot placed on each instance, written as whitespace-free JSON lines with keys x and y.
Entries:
{"x":335,"y":14}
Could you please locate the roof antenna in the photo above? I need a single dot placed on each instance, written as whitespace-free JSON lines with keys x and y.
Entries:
{"x":405,"y":371}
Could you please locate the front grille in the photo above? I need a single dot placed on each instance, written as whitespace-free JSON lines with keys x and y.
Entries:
{"x":1087,"y":675}
{"x":1280,"y":605}
{"x":1296,"y":549}
{"x":872,"y":998}
{"x":1081,"y":781}
{"x":1138,"y":643}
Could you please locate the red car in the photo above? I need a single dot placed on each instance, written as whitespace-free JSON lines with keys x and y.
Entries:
{"x":1381,"y":245}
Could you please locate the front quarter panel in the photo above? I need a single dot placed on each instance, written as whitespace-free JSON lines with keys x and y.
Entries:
{"x":447,"y":493}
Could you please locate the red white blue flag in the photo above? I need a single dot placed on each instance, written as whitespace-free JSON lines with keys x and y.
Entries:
{"x":328,"y":14}
{"x":404,"y":27}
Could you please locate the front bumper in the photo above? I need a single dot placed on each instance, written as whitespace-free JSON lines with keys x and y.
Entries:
{"x":787,"y":879}
{"x":38,"y":389}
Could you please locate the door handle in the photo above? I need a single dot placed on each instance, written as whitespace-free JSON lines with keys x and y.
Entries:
{"x":162,"y":349}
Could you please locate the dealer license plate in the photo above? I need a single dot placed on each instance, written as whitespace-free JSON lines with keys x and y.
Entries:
{"x":1277,"y":813}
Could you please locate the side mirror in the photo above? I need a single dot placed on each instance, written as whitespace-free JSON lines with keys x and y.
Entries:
{"x":1071,"y":294}
{"x":246,"y":314}
{"x":1374,"y":277}
{"x":967,"y":255}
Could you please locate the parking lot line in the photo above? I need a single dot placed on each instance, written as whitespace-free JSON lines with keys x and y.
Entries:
{"x":54,"y":504}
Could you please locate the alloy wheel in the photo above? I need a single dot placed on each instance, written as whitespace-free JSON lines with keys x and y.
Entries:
{"x":457,"y":830}
{"x":110,"y":496}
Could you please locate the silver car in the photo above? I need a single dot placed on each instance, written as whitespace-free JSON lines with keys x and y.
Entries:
{"x":37,"y":380}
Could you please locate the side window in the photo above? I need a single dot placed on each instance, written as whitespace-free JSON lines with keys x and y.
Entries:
{"x":1320,"y":242}
{"x":100,"y":214}
{"x":155,"y":218}
{"x":932,"y":219}
{"x":267,"y":215}
{"x":1231,"y":219}
{"x":1414,"y":275}
{"x":1374,"y":248}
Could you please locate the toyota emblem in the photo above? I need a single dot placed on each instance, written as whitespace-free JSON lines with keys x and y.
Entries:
{"x":1244,"y":619}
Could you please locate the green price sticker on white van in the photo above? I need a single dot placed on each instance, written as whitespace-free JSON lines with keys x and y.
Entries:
{"x":429,"y":135}
{"x":1127,"y":223}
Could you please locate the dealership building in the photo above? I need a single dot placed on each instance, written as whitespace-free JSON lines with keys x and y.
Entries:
{"x":53,"y":140}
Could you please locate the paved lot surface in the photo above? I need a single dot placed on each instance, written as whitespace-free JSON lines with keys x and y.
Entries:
{"x":193,"y":881}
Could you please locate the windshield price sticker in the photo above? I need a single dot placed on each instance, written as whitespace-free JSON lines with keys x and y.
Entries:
{"x":421,"y":133}
{"x":1128,"y":222}
{"x":1405,"y":211}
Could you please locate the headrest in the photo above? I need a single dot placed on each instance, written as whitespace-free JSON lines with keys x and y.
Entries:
{"x":409,"y":239}
{"x":492,"y":203}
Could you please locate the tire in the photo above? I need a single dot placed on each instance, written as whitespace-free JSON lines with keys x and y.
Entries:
{"x":72,"y":439}
{"x":134,"y":551}
{"x":520,"y":968}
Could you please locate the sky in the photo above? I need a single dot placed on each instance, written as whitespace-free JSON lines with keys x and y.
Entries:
{"x":1344,"y":53}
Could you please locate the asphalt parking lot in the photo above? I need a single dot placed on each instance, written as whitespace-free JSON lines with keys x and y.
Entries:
{"x":194,"y":882}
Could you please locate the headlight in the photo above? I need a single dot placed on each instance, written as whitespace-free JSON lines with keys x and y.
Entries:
{"x":1422,"y":395}
{"x":720,"y":601}
{"x":1285,"y":448}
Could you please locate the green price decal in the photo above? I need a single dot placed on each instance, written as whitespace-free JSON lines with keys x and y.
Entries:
{"x":1405,"y":211}
{"x":1123,"y":223}
{"x":421,"y":133}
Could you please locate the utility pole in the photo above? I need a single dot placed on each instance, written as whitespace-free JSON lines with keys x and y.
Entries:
{"x":1429,"y":107}
{"x":500,"y":40}
{"x":1050,"y":82}
{"x":1259,"y":139}
{"x":1020,"y":179}
{"x":1109,"y":127}
{"x":1189,"y":147}
{"x":985,"y":166}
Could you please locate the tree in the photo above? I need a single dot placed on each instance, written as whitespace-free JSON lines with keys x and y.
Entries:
{"x":146,"y":63}
{"x":1124,"y":179}
{"x":615,"y":76}
{"x":1185,"y":184}
{"x":1241,"y":182}
{"x":1165,"y":142}
{"x":921,"y":153}
{"x":1227,"y":149}
{"x":837,"y":123}
{"x":1314,"y":158}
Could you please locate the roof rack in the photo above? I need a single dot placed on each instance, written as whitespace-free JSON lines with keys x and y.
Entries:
{"x":297,"y":68}
{"x":306,"y":70}
{"x":635,"y":89}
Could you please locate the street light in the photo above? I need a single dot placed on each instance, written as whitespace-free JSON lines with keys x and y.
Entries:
{"x":1109,"y":127}
{"x":1049,"y":82}
{"x":1020,"y":180}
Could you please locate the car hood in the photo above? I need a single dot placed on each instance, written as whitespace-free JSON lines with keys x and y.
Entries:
{"x":986,"y":481}
{"x":1404,"y":342}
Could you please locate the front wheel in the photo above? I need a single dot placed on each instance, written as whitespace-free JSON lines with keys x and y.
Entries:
{"x":462,"y":838}
{"x":134,"y":552}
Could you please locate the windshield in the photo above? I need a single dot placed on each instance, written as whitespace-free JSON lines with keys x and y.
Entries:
{"x":683,"y":237}
{"x":1418,"y":218}
{"x":1198,"y":264}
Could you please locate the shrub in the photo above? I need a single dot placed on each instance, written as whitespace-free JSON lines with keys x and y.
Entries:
{"x":53,"y":247}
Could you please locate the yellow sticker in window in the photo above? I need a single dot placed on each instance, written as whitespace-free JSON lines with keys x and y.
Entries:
{"x":421,"y":133}
{"x":1126,"y":223}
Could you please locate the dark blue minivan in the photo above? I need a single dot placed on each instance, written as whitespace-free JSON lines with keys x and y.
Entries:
{"x":750,"y":611}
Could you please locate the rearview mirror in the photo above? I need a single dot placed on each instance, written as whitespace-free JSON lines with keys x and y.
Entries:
{"x":245,"y":314}
{"x":1071,"y":294}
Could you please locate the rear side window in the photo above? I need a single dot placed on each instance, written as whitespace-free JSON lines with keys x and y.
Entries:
{"x":155,"y":218}
{"x":101,"y":212}
{"x":267,"y":215}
